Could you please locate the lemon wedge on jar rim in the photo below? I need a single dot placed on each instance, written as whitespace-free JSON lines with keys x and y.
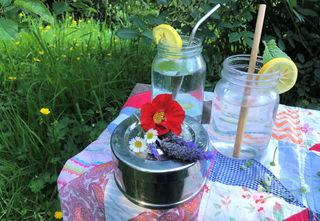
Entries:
{"x":169,"y":33}
{"x":288,"y":73}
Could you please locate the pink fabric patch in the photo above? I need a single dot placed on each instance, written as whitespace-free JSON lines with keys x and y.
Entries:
{"x":138,"y":100}
{"x":302,"y":216}
{"x":316,"y":147}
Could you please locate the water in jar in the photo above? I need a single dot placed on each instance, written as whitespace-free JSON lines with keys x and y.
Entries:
{"x":223,"y":127}
{"x":190,"y":95}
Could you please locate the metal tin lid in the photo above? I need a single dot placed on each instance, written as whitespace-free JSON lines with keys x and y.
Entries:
{"x":127,"y":130}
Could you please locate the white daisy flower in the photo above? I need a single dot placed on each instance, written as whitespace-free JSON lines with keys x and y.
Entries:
{"x":138,"y":145}
{"x":151,"y":136}
{"x":268,"y":179}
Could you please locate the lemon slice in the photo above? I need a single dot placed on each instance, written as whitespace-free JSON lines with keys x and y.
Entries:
{"x":288,"y":73}
{"x":169,"y":33}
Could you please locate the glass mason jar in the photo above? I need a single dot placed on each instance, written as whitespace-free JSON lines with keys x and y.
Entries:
{"x":262,"y":99}
{"x":180,"y":71}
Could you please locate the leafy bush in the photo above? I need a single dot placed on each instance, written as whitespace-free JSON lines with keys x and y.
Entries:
{"x":230,"y":31}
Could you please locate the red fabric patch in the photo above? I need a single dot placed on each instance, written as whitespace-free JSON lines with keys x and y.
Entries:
{"x":138,"y":100}
{"x":302,"y":216}
{"x":316,"y":147}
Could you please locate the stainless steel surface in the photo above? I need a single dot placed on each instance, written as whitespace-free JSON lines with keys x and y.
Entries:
{"x":156,"y":184}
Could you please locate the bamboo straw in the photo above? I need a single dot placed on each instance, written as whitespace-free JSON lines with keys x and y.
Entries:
{"x":252,"y":64}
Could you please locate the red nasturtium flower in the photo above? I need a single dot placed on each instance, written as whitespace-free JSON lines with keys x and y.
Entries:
{"x":163,"y":115}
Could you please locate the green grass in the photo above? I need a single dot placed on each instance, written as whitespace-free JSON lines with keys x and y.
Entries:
{"x":84,"y":75}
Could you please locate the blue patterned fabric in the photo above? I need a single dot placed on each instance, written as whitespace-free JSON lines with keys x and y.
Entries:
{"x":228,"y":171}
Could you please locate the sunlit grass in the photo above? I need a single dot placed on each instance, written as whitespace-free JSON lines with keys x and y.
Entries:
{"x":83,"y":74}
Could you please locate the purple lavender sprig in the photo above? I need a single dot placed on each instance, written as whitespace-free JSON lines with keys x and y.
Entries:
{"x":182,"y":149}
{"x":153,"y":150}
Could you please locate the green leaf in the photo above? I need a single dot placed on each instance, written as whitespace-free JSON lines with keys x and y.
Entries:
{"x":36,"y":7}
{"x":308,"y":64}
{"x":219,"y":1}
{"x":277,"y":30}
{"x":291,"y":42}
{"x":8,"y":29}
{"x":237,"y":24}
{"x":139,"y":23}
{"x":300,"y":104}
{"x":248,"y":16}
{"x":305,"y":102}
{"x":249,"y":163}
{"x":186,"y":29}
{"x":195,"y":13}
{"x":127,"y":33}
{"x":89,"y":1}
{"x":310,"y":12}
{"x":234,"y":36}
{"x":36,"y":186}
{"x":217,"y":213}
{"x":232,"y":219}
{"x":317,"y":72}
{"x":59,"y":7}
{"x":271,"y":51}
{"x":301,"y":92}
{"x":82,"y":5}
{"x":301,"y":57}
{"x":151,"y":19}
{"x":12,"y":12}
{"x":205,"y":56}
{"x":249,"y":41}
{"x":226,"y":24}
{"x":173,"y":66}
{"x":187,"y":2}
{"x":5,"y":3}
{"x":278,"y":216}
{"x":247,"y":34}
{"x":293,"y":3}
{"x":148,"y":34}
{"x":215,"y":15}
{"x":162,"y":2}
{"x":281,"y":44}
{"x":318,"y":173}
{"x":216,"y":205}
{"x":209,"y":34}
{"x":146,"y":41}
{"x":23,"y":25}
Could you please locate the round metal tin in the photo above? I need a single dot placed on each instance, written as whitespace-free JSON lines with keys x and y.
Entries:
{"x":157,"y":184}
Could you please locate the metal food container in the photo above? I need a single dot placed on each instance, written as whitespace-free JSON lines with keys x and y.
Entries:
{"x":157,"y":184}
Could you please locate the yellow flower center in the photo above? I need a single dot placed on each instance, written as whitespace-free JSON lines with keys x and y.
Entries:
{"x":150,"y":135}
{"x":138,"y":144}
{"x":159,"y":117}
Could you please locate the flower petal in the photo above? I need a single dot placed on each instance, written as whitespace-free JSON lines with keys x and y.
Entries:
{"x":173,"y":126}
{"x":161,"y":101}
{"x":146,"y":119}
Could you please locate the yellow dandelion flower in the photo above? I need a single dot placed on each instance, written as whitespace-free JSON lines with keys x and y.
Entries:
{"x":75,"y":22}
{"x":12,"y":78}
{"x":78,"y":59}
{"x":109,"y":54}
{"x":74,"y":39}
{"x":107,"y":41}
{"x":77,"y":45}
{"x":17,"y":43}
{"x":89,"y":54}
{"x":89,"y":21}
{"x":98,"y":35}
{"x":48,"y":27}
{"x":212,"y":40}
{"x":139,"y":38}
{"x":21,"y":14}
{"x":86,"y":45}
{"x":81,"y":53}
{"x":116,"y":40}
{"x":93,"y":47}
{"x":22,"y":63}
{"x":97,"y":111}
{"x":78,"y":41}
{"x":73,"y":26}
{"x":106,"y":31}
{"x":64,"y":31}
{"x":41,"y":52}
{"x":45,"y":111}
{"x":43,"y":31}
{"x":57,"y":58}
{"x":80,"y":20}
{"x":54,"y":35}
{"x":41,"y":27}
{"x":64,"y":55}
{"x":70,"y":26}
{"x":36,"y":59}
{"x":71,"y":49}
{"x":94,"y":29}
{"x":70,"y":17}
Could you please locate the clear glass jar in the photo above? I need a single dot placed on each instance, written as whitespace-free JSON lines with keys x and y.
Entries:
{"x":228,"y":98}
{"x":180,"y":72}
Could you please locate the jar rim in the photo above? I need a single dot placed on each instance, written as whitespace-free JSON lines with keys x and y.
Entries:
{"x":196,"y":43}
{"x":231,"y":72}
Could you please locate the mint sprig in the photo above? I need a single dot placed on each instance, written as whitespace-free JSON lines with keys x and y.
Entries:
{"x":272,"y":51}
